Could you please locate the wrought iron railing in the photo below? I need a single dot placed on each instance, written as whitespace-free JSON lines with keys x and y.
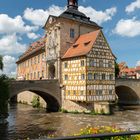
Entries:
{"x":101,"y":136}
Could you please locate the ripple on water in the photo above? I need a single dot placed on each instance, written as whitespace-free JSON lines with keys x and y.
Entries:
{"x":25,"y":121}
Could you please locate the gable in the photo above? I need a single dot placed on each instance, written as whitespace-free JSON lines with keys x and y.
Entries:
{"x":51,"y":20}
{"x":83,"y":45}
{"x":101,"y":48}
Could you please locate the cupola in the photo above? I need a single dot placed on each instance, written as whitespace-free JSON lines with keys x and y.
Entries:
{"x":72,"y":4}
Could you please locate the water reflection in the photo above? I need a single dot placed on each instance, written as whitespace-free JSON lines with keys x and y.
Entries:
{"x":24,"y":122}
{"x":4,"y":131}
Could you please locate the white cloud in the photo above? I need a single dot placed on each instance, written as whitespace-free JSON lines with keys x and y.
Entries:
{"x":39,"y":16}
{"x":138,"y":63}
{"x":9,"y":44}
{"x":10,"y":25}
{"x":33,"y":35}
{"x":134,"y":5}
{"x":9,"y":65}
{"x":128,"y":27}
{"x":98,"y":16}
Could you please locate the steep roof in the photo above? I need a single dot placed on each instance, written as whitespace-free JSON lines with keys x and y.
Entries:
{"x":34,"y":47}
{"x":83,"y":45}
{"x":76,"y":15}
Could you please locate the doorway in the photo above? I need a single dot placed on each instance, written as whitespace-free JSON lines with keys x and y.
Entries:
{"x":51,"y":71}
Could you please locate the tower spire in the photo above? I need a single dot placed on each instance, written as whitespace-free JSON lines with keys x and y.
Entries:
{"x":73,"y":4}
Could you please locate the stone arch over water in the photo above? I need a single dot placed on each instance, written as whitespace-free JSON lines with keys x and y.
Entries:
{"x":53,"y":104}
{"x":127,"y":95}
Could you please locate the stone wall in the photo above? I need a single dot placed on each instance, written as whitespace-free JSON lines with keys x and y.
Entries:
{"x":77,"y":106}
{"x":26,"y":97}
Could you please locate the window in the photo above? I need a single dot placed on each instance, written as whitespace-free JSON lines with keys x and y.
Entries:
{"x":90,"y":63}
{"x":110,"y":64}
{"x":31,"y":76}
{"x":28,"y":63}
{"x":89,"y":76}
{"x":74,"y":92}
{"x":103,"y":76}
{"x":35,"y":60}
{"x":65,"y":65}
{"x":71,"y":33}
{"x":100,"y":63}
{"x":99,"y":92}
{"x":82,"y":76}
{"x":96,"y":76}
{"x":68,"y":92}
{"x":55,"y":33}
{"x":66,"y":77}
{"x":38,"y":58}
{"x":89,"y":92}
{"x":43,"y":56}
{"x":38,"y":74}
{"x":82,"y":62}
{"x":82,"y":92}
{"x":43,"y":74}
{"x":110,"y":91}
{"x":110,"y":76}
{"x":34,"y":75}
{"x":31,"y":61}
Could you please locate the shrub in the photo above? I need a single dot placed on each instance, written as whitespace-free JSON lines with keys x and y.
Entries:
{"x":64,"y":110}
{"x":36,"y":102}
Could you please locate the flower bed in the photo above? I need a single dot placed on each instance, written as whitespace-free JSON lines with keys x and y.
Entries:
{"x":106,"y":129}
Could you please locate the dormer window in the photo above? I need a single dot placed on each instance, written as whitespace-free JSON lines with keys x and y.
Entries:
{"x":76,"y":45}
{"x":86,"y":43}
{"x":72,"y":33}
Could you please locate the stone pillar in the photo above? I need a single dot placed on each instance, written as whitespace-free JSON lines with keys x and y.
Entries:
{"x":102,"y":107}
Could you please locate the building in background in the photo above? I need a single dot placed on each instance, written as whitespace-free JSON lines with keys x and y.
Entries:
{"x":78,"y":55}
{"x":32,"y":64}
{"x":126,"y":72}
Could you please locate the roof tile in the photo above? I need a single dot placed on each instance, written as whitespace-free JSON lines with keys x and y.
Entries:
{"x":83,"y":45}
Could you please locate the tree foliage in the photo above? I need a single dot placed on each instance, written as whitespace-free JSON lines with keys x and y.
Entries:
{"x":117,"y":70}
{"x":4,"y":95}
{"x":1,"y":63}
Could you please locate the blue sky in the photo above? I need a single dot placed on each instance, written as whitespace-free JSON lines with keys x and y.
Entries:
{"x":21,"y":23}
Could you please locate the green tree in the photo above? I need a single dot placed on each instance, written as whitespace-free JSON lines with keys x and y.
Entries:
{"x":4,"y":95}
{"x":117,"y":70}
{"x":1,"y":62}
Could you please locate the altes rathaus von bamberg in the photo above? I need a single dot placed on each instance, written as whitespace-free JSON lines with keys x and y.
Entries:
{"x":75,"y":51}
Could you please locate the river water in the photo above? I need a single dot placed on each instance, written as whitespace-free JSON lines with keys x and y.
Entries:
{"x":25,"y":121}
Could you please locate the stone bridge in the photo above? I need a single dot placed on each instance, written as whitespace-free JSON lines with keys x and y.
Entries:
{"x":128,"y":91}
{"x":49,"y":90}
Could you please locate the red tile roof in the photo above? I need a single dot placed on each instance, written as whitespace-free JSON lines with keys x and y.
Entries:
{"x":34,"y":47}
{"x":83,"y":45}
{"x":137,"y":68}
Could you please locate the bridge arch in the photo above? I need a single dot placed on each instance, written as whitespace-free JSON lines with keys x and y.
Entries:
{"x":127,"y":95}
{"x":52,"y":101}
